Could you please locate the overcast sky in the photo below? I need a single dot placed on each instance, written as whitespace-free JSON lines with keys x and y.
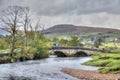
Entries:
{"x":96,"y":13}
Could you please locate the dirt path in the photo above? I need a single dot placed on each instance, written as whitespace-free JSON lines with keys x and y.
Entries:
{"x":90,"y":75}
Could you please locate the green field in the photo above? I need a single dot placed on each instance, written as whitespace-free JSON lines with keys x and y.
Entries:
{"x":111,"y":44}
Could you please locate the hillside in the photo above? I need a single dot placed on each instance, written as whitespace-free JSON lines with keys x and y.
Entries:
{"x":72,"y":29}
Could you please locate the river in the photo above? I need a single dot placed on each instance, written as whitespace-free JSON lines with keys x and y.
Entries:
{"x":44,"y":69}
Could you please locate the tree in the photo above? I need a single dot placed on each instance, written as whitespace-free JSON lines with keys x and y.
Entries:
{"x":98,"y":42}
{"x":74,"y":41}
{"x":26,"y":24}
{"x":11,"y":20}
{"x":3,"y":43}
{"x":23,"y":31}
{"x":55,"y":39}
{"x":63,"y":42}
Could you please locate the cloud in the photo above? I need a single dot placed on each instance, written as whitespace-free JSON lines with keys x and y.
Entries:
{"x":60,"y":7}
{"x":55,"y":7}
{"x":96,"y":20}
{"x":78,"y":12}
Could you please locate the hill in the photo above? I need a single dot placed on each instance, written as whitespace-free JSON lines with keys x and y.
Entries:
{"x":72,"y":29}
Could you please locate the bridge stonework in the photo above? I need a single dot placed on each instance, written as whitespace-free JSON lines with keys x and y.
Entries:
{"x":69,"y":51}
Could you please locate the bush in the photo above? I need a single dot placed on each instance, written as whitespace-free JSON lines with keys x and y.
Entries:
{"x":41,"y":52}
{"x":41,"y":49}
{"x":7,"y":59}
{"x":29,"y":52}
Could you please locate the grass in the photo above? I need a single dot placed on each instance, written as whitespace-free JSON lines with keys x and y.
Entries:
{"x":8,"y":50}
{"x":97,"y":62}
{"x":113,"y":69}
{"x":110,"y":45}
{"x":109,"y":61}
{"x":5,"y":51}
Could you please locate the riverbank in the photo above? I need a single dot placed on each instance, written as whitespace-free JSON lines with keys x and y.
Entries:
{"x":109,"y":61}
{"x":90,"y":75}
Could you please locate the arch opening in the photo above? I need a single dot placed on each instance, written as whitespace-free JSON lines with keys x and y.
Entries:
{"x":81,"y":54}
{"x":60,"y":54}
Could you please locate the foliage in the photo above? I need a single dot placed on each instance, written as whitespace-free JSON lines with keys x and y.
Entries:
{"x":30,"y":43}
{"x":55,"y":39}
{"x":3,"y":43}
{"x":74,"y":41}
{"x":41,"y":46}
{"x":98,"y":42}
{"x":7,"y":59}
{"x":71,"y":41}
{"x":28,"y":52}
{"x":41,"y":52}
{"x":5,"y":51}
{"x":63,"y":42}
{"x":110,"y":45}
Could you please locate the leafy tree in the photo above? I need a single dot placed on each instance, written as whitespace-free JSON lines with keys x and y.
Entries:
{"x":55,"y":39}
{"x":74,"y":41}
{"x":63,"y":42}
{"x":98,"y":42}
{"x":40,"y":43}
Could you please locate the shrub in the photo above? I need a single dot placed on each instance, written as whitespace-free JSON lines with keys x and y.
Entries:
{"x":41,"y":49}
{"x":41,"y":52}
{"x":7,"y":59}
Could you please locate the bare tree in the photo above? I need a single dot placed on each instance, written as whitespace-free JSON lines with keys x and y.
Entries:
{"x":16,"y":17}
{"x":26,"y":23}
{"x":11,"y":19}
{"x":37,"y":28}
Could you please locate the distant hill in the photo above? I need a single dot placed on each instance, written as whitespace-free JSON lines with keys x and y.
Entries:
{"x":72,"y":29}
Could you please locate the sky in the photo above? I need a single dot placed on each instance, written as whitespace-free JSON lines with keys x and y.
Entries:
{"x":94,"y":13}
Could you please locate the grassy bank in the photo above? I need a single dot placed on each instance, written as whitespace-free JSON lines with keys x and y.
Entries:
{"x":109,"y":61}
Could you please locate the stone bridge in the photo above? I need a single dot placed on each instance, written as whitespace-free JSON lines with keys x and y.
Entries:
{"x":73,"y":51}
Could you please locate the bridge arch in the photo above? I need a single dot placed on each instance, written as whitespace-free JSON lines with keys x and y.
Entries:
{"x":81,"y":54}
{"x":60,"y":54}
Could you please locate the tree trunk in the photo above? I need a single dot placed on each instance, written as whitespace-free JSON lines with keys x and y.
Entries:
{"x":12,"y":45}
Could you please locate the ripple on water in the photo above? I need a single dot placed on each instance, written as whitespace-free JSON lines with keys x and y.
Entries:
{"x":45,"y":69}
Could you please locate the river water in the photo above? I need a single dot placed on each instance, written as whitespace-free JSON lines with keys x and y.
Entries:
{"x":44,"y":69}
